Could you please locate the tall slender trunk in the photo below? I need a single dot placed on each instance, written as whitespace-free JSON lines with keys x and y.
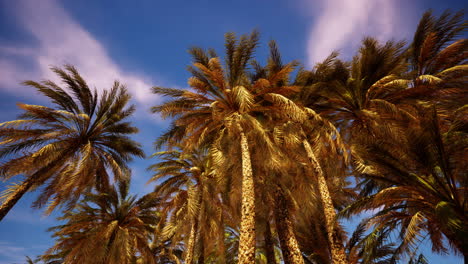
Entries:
{"x":336,"y":246}
{"x":284,"y":226}
{"x":191,"y":243}
{"x":269,"y":244}
{"x":247,"y":226}
{"x":194,"y":227}
{"x":39,"y":177}
{"x":14,"y":198}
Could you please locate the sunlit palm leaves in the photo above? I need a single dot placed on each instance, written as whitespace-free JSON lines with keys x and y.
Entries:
{"x":107,"y":228}
{"x":190,"y":207}
{"x":421,"y":184}
{"x":70,"y":147}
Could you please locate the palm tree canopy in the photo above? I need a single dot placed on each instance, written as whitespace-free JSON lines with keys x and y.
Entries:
{"x":110,"y":227}
{"x":418,"y":183}
{"x":71,"y":146}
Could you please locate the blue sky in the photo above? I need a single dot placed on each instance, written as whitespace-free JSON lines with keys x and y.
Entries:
{"x":143,"y":43}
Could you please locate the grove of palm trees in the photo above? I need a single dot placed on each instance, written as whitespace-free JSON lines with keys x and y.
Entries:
{"x":263,"y":161}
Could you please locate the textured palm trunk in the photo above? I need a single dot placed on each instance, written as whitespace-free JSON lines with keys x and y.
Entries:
{"x":14,"y":198}
{"x":191,"y":243}
{"x":284,"y":226}
{"x":336,"y":246}
{"x":269,"y":245}
{"x":194,"y":228}
{"x":37,"y":178}
{"x":247,"y":227}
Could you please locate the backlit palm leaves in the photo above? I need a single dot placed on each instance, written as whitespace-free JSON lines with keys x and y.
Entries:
{"x":353,"y":97}
{"x":68,"y":148}
{"x":422,"y":184}
{"x":107,"y":228}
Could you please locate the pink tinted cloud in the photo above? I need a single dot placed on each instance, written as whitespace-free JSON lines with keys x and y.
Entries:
{"x":61,"y":40}
{"x":340,"y":25}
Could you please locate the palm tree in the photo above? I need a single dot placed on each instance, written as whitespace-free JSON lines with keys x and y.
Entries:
{"x":290,"y":130}
{"x":68,"y":148}
{"x":437,"y":59}
{"x":223,"y":106}
{"x":185,"y":188}
{"x":317,"y":224}
{"x":110,"y":227}
{"x":419,"y":182}
{"x":295,"y":138}
{"x":370,"y":248}
{"x":353,"y":96}
{"x":219,"y":105}
{"x":435,"y":77}
{"x":344,"y":93}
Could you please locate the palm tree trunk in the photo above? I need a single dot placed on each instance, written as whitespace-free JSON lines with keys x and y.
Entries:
{"x":247,"y":227}
{"x":191,"y":243}
{"x":336,"y":246}
{"x":284,"y":226}
{"x":37,"y":178}
{"x":15,"y":196}
{"x":269,"y":244}
{"x":194,"y":227}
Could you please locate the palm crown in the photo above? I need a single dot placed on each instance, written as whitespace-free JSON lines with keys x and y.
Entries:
{"x":111,"y":228}
{"x":70,"y":147}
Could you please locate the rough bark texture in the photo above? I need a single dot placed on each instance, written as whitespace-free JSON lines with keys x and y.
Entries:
{"x":247,"y":228}
{"x":191,"y":244}
{"x":336,"y":246}
{"x":284,"y":226}
{"x":14,"y":198}
{"x":194,"y":227}
{"x":269,"y":245}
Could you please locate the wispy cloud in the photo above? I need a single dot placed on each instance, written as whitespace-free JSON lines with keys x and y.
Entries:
{"x":341,"y":24}
{"x":61,"y":40}
{"x":11,"y":253}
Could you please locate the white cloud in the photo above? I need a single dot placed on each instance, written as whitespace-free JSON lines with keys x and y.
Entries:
{"x":342,"y":24}
{"x":61,"y":40}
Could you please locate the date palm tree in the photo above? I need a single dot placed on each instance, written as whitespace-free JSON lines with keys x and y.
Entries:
{"x":350,"y":94}
{"x":343,"y":93}
{"x":419,"y":182}
{"x":185,"y":187}
{"x":438,"y":61}
{"x":372,"y":247}
{"x":216,"y":106}
{"x":226,"y":104}
{"x":69,"y":147}
{"x":110,"y":228}
{"x":293,"y":130}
